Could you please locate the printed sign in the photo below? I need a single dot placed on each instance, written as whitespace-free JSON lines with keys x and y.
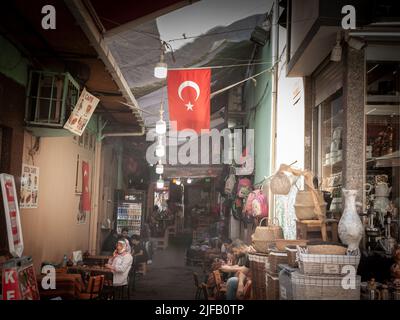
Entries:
{"x":11,"y":210}
{"x":19,"y":282}
{"x":82,"y":113}
{"x":331,"y":268}
{"x":10,"y":284}
{"x":29,"y":187}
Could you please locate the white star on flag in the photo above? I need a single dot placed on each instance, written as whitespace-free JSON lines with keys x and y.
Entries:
{"x":189,"y":106}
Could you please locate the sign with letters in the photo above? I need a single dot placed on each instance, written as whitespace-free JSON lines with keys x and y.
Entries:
{"x":82,"y":113}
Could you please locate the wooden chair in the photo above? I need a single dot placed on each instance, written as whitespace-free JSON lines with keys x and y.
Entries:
{"x":93,"y":289}
{"x":205,"y":292}
{"x":220,"y":286}
{"x":197,"y":286}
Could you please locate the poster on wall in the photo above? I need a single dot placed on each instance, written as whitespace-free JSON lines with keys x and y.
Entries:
{"x":82,"y":113}
{"x":11,"y":211}
{"x":29,"y":187}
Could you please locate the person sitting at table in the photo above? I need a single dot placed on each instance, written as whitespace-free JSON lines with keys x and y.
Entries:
{"x":125,"y":236}
{"x":110,"y":243}
{"x":120,"y":264}
{"x":138,"y":251}
{"x":241,"y":267}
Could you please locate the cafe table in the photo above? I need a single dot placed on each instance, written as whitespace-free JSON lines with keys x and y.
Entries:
{"x":68,"y":287}
{"x":86,"y":271}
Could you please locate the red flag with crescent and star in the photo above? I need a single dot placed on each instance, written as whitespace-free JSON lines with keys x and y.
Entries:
{"x":189,"y":98}
{"x":85,"y":187}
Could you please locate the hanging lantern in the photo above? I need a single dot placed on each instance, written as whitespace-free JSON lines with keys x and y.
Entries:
{"x":159,"y":168}
{"x":160,"y":183}
{"x":160,"y":150}
{"x":161,"y":127}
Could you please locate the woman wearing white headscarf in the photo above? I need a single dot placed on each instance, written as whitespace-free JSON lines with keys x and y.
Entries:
{"x":120,"y":264}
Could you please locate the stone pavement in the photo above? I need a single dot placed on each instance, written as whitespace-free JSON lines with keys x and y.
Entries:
{"x":168,"y":278}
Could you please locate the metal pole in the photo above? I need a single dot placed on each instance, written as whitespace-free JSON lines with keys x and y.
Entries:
{"x":275,"y":54}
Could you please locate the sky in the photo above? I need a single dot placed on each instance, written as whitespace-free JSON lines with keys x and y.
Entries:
{"x":199,"y":17}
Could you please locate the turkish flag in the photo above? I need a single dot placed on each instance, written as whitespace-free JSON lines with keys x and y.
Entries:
{"x":85,"y":187}
{"x":189,"y":98}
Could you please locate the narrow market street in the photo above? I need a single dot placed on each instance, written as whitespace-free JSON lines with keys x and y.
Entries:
{"x":168,"y":277}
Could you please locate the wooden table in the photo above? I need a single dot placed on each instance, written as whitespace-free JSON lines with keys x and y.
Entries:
{"x":86,"y":271}
{"x":68,"y":286}
{"x":96,"y":260}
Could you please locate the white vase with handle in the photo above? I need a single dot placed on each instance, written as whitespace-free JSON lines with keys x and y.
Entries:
{"x":350,"y":227}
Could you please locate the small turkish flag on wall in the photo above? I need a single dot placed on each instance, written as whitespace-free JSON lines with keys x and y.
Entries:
{"x":189,"y":98}
{"x":85,"y":187}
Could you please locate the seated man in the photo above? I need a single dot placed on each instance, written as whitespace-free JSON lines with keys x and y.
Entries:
{"x":120,"y":264}
{"x":138,"y":251}
{"x":235,"y":284}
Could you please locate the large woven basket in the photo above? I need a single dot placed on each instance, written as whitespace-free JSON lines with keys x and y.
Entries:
{"x":272,"y":286}
{"x":329,"y":264}
{"x":257,"y":268}
{"x":323,"y":288}
{"x":326,"y":249}
{"x":274,"y":259}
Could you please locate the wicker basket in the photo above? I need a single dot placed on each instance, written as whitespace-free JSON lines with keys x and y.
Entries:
{"x":274,"y":259}
{"x":321,"y":264}
{"x":272,"y":286}
{"x":285,"y":285}
{"x":292,"y":256}
{"x":326,"y":249}
{"x":323,"y":288}
{"x":281,"y":244}
{"x":257,"y":268}
{"x":262,"y":246}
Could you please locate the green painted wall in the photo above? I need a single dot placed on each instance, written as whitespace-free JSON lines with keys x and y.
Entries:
{"x":258,"y":103}
{"x":12,"y":63}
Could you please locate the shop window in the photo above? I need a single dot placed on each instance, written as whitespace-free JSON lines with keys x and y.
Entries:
{"x":51,"y":98}
{"x":328,"y":148}
{"x":382,"y":111}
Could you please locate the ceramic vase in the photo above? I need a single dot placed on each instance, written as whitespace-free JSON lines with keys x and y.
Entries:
{"x":350,"y":227}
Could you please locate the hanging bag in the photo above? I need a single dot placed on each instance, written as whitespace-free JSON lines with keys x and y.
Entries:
{"x":259,"y":206}
{"x":230,"y":184}
{"x":244,"y":187}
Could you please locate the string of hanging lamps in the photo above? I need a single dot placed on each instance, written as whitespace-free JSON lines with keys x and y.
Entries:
{"x":160,"y":72}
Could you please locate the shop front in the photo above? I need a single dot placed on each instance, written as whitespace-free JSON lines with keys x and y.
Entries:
{"x":355,"y":144}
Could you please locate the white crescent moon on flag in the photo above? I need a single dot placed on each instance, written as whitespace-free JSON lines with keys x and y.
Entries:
{"x":192,"y":84}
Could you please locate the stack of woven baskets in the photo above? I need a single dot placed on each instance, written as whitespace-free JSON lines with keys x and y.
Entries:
{"x":257,"y":266}
{"x":325,"y":273}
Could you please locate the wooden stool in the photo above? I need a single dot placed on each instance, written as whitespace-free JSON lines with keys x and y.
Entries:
{"x":305,"y":226}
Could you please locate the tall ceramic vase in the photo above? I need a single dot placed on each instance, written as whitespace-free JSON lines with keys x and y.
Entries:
{"x":350,"y":227}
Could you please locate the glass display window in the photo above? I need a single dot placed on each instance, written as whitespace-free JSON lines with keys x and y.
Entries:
{"x":328,"y":148}
{"x":382,"y":110}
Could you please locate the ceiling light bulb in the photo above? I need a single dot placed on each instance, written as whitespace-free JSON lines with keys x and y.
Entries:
{"x":159,"y":169}
{"x":160,"y":183}
{"x":160,"y":70}
{"x":161,"y":127}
